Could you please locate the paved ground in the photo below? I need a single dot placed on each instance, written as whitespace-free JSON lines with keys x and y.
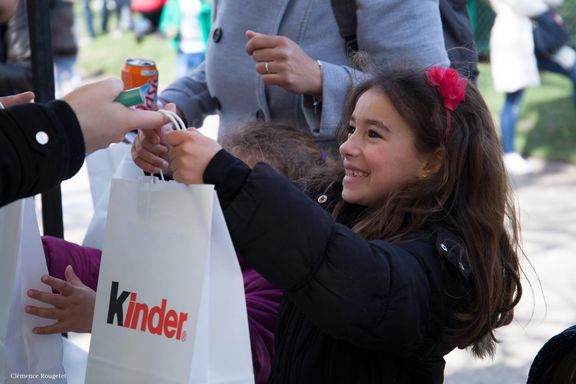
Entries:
{"x":547,"y":202}
{"x":548,"y":215}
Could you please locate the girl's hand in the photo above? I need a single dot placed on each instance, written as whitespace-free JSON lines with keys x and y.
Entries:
{"x":149,"y":149}
{"x":73,"y":306}
{"x":190,"y":154}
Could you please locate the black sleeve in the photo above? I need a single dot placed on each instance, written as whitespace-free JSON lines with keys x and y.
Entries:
{"x":373,"y":294}
{"x":228,"y":174}
{"x":42,"y":144}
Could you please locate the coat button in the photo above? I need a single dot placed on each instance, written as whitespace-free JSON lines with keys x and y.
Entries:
{"x":42,"y":138}
{"x":217,"y":103}
{"x":444,"y":247}
{"x":260,"y":115}
{"x":217,"y":34}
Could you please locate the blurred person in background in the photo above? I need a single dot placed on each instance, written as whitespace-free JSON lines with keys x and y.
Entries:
{"x":7,"y":9}
{"x":122,"y":11}
{"x":88,"y":17}
{"x":150,"y":10}
{"x":64,"y":46}
{"x":516,"y":61}
{"x":181,"y":22}
{"x":15,"y":59}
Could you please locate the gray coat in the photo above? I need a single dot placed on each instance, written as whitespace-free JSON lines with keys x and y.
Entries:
{"x":392,"y":32}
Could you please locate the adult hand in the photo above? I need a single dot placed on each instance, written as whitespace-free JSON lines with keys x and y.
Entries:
{"x":149,"y":149}
{"x":73,"y":307}
{"x":104,"y":121}
{"x":282,"y":62}
{"x":190,"y":154}
{"x":19,"y":98}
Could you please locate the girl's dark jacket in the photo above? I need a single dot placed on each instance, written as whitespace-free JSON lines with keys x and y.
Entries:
{"x":354,"y":311}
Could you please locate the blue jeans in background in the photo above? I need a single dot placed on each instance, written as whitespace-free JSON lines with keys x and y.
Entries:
{"x":509,"y":118}
{"x":186,"y":62}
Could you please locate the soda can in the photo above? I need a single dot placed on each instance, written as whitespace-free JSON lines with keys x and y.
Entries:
{"x":139,"y":72}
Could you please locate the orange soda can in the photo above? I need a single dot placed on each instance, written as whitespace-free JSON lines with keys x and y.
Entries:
{"x":138,"y":72}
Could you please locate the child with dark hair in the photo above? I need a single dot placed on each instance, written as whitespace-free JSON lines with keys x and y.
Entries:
{"x":291,"y":152}
{"x":555,"y":363}
{"x":421,"y":253}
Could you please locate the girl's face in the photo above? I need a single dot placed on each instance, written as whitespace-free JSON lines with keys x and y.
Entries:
{"x":379,"y":154}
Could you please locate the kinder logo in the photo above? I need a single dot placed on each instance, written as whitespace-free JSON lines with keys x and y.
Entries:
{"x":155,"y":320}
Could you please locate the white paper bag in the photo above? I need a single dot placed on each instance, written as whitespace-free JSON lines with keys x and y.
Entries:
{"x":101,"y":166}
{"x":123,"y":168}
{"x":168,"y":259}
{"x":24,"y":356}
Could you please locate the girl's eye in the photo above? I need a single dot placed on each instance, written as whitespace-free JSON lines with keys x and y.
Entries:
{"x":350,"y":130}
{"x":373,"y":134}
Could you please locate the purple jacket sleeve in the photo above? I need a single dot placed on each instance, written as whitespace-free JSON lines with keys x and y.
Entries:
{"x":262,"y":301}
{"x":61,"y":253}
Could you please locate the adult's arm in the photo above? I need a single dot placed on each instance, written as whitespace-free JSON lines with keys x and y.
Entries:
{"x":191,"y":96}
{"x":398,"y":33}
{"x":42,"y":145}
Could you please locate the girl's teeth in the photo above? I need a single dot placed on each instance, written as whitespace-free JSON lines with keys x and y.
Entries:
{"x":357,"y":173}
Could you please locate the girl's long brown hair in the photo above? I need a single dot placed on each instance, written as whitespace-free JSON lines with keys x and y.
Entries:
{"x":469,"y":195}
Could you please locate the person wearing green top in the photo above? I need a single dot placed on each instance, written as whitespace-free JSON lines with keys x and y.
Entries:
{"x":187,"y":23}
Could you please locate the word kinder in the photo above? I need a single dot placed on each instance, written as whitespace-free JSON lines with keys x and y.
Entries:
{"x":155,"y":320}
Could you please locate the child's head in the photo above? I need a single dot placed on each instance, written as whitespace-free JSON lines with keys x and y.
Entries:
{"x":291,"y":152}
{"x":415,"y":164}
{"x":403,"y":133}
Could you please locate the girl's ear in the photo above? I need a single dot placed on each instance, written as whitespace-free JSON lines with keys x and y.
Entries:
{"x":432,"y":163}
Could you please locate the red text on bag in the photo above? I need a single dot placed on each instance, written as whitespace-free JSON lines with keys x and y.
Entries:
{"x":155,"y":320}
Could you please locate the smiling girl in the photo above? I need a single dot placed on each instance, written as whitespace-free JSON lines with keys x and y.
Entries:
{"x":420,"y":255}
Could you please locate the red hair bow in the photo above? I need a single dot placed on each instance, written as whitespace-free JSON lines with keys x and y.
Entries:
{"x":452,"y":88}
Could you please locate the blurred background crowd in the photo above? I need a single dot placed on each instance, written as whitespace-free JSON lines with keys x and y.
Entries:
{"x":93,"y":38}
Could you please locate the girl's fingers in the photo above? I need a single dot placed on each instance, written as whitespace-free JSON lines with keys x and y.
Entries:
{"x":48,"y":298}
{"x":47,"y":313}
{"x":50,"y":329}
{"x":60,"y":285}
